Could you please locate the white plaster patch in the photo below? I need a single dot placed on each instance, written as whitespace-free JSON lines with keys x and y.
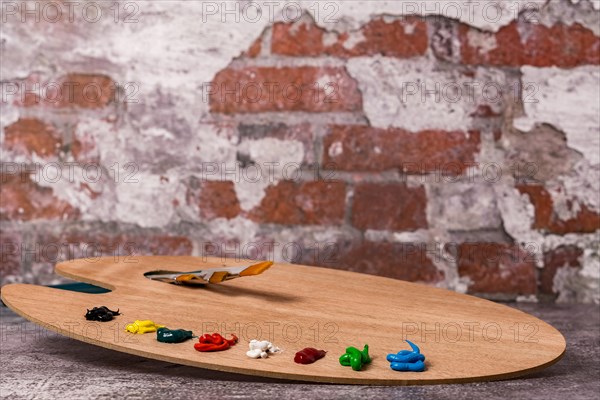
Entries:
{"x":580,"y":187}
{"x":583,"y":184}
{"x":532,"y":298}
{"x":250,"y":194}
{"x":484,"y":42}
{"x":353,"y":39}
{"x":157,"y":133}
{"x":327,"y":83}
{"x":105,"y":137}
{"x":463,"y":206}
{"x":409,"y":29}
{"x":336,"y":149}
{"x":87,"y":187}
{"x":188,"y":150}
{"x":271,"y":150}
{"x":562,"y":204}
{"x":570,"y":101}
{"x":208,"y":144}
{"x":445,"y":261}
{"x":517,"y":214}
{"x":154,"y":51}
{"x":319,"y":243}
{"x":460,"y":285}
{"x":415,"y":95}
{"x":8,"y":115}
{"x":147,"y":199}
{"x":330,"y":38}
{"x":418,"y":236}
{"x":583,"y":285}
{"x":239,"y":228}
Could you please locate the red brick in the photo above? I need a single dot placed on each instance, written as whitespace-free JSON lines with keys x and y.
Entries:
{"x":266,"y":89}
{"x":535,"y":44}
{"x":497,"y":135}
{"x":542,"y":202}
{"x":24,"y":200}
{"x":124,"y":246}
{"x":150,"y":244}
{"x":302,"y":203}
{"x":405,"y":261}
{"x":30,"y":135}
{"x":497,"y":268}
{"x":255,"y":48}
{"x":371,"y":149}
{"x":585,"y":221}
{"x":389,"y":206}
{"x":89,"y":91}
{"x":563,"y":256}
{"x":218,"y":200}
{"x":304,"y":38}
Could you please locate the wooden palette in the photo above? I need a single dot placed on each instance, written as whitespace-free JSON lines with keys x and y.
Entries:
{"x":464,"y":338}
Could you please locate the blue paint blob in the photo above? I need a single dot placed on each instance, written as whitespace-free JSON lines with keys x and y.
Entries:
{"x":418,"y":366}
{"x":406,"y":360}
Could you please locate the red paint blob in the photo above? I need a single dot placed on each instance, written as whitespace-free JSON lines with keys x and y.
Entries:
{"x":309,"y":355}
{"x":214,"y":342}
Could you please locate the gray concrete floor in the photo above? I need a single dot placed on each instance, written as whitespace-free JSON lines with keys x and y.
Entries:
{"x":36,"y":363}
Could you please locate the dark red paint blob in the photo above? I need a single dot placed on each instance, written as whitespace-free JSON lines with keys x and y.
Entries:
{"x":309,"y":355}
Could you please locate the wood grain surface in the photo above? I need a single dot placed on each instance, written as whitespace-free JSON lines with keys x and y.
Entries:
{"x":465,"y":339}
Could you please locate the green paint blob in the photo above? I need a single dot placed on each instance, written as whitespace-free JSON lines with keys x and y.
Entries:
{"x":355,"y":358}
{"x":166,"y":335}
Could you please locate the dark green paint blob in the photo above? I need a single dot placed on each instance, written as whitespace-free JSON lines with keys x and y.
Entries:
{"x":166,"y":335}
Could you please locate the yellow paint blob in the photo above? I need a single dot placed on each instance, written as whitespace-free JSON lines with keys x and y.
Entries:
{"x":142,"y":326}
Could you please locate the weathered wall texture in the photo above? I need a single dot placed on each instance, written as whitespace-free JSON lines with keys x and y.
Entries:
{"x":442,"y":142}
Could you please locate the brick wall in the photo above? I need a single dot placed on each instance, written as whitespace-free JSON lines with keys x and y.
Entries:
{"x":443,"y":144}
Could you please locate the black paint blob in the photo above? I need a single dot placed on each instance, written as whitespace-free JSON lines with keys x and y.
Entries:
{"x":101,"y":314}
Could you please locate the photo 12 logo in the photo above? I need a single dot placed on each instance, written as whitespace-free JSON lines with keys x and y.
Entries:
{"x":70,"y":11}
{"x":269,"y":11}
{"x":70,"y":172}
{"x":469,"y":331}
{"x":472,"y":92}
{"x":282,"y":332}
{"x":93,"y":92}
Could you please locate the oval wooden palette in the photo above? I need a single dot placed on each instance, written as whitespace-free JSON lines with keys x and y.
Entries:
{"x":464,"y":338}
